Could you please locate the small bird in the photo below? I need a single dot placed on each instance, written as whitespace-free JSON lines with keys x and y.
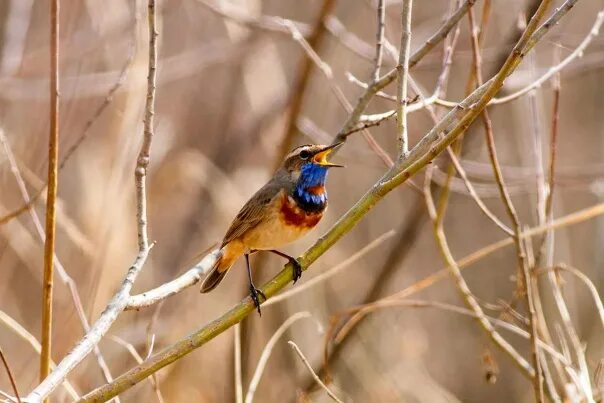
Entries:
{"x":283,"y":210}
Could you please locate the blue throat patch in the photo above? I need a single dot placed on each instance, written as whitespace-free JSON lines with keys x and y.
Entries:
{"x":311,"y":175}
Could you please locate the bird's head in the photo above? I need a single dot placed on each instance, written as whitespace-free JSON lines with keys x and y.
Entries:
{"x":307,"y":157}
{"x":306,"y":168}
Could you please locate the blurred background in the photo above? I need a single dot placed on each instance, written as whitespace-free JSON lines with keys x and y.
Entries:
{"x":224,"y":88}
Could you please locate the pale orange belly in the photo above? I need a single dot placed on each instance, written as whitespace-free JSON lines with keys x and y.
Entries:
{"x":285,"y":224}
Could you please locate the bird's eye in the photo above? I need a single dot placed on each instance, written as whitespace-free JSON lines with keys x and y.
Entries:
{"x":304,"y":154}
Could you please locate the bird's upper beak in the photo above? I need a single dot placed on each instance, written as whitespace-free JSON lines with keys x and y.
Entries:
{"x":320,"y":157}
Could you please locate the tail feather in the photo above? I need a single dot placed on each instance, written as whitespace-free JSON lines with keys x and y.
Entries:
{"x":213,"y":278}
{"x":225,"y":258}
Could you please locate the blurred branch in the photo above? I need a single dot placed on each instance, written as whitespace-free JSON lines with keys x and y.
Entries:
{"x":120,"y":299}
{"x":51,"y":198}
{"x":379,"y":40}
{"x":552,"y":71}
{"x":590,"y":286}
{"x":375,"y":87}
{"x":328,"y":73}
{"x":403,"y":76}
{"x":301,"y":83}
{"x":137,"y":357}
{"x":72,"y":149}
{"x":63,"y":275}
{"x":30,"y":339}
{"x":268,"y":349}
{"x":469,"y":312}
{"x":327,"y":274}
{"x":238,"y":369}
{"x":430,"y":146}
{"x":407,"y":236}
{"x":466,"y":261}
{"x":11,"y":378}
{"x":277,"y":24}
{"x":578,"y":52}
{"x":511,"y":211}
{"x":313,"y":373}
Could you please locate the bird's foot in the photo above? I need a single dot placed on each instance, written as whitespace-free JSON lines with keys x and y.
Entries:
{"x":297,"y":270}
{"x":255,"y":294}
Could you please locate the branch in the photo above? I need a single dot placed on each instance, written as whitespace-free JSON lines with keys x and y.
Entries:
{"x":520,"y":249}
{"x":313,"y":373}
{"x":374,"y":88}
{"x":175,"y":286}
{"x":268,"y":349}
{"x":11,"y":378}
{"x":302,"y":80}
{"x":403,"y":76}
{"x":51,"y":198}
{"x":379,"y":40}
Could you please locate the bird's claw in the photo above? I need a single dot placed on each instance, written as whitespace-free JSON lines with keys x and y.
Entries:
{"x":255,"y":293}
{"x":297,"y":270}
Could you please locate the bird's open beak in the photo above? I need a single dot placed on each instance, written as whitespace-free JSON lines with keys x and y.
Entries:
{"x":320,"y":157}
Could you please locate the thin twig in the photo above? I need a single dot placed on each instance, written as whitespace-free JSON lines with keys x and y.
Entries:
{"x":302,"y":80}
{"x":10,"y":376}
{"x":61,"y":271}
{"x":51,"y":198}
{"x":237,"y":357}
{"x":374,"y":88}
{"x":403,"y":76}
{"x":328,"y":73}
{"x":590,"y":286}
{"x":313,"y":373}
{"x":137,"y":357}
{"x":379,"y":40}
{"x":30,"y":339}
{"x":520,"y":251}
{"x":468,"y":312}
{"x":332,"y":271}
{"x":80,"y":139}
{"x":268,"y":349}
{"x":468,"y":260}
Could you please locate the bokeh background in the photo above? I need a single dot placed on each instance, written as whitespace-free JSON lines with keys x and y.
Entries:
{"x":221,"y":113}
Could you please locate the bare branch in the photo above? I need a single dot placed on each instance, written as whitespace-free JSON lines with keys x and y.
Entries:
{"x":30,"y":339}
{"x":51,"y":198}
{"x":268,"y":349}
{"x":379,"y":40}
{"x":313,"y":373}
{"x":10,"y":376}
{"x":403,"y":76}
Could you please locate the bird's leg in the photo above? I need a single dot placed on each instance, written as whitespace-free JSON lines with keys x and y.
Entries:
{"x":293,"y":261}
{"x":254,"y":292}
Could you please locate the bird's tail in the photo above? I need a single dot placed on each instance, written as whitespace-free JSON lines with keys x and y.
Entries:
{"x":220,"y":268}
{"x":213,"y":278}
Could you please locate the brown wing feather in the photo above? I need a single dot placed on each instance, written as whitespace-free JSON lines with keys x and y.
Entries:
{"x":255,"y":210}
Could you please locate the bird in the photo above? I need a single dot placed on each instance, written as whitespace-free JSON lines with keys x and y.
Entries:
{"x":287,"y":207}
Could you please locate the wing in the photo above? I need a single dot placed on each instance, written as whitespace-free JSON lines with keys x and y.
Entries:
{"x":254,"y":211}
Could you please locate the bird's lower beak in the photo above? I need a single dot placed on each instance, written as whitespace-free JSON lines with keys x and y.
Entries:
{"x":320,"y":158}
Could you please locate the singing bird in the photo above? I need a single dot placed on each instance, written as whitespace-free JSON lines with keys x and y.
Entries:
{"x":282,"y":211}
